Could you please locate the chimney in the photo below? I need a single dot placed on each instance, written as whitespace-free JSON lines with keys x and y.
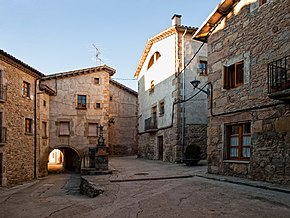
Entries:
{"x":176,"y":20}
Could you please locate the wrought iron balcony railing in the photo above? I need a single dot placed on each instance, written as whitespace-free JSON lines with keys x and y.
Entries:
{"x":150,"y":123}
{"x":279,"y":75}
{"x":3,"y":92}
{"x":2,"y":134}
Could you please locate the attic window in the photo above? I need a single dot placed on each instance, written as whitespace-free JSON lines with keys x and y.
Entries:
{"x":153,"y":59}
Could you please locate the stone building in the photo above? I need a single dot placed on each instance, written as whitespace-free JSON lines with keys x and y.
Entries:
{"x":39,"y":113}
{"x":83,"y":100}
{"x":249,"y":116}
{"x":122,"y":120}
{"x":166,"y":68}
{"x":18,"y":120}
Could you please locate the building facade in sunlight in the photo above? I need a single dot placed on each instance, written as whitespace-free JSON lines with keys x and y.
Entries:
{"x":249,"y":72}
{"x":18,"y":121}
{"x":170,"y":116}
{"x":63,"y":111}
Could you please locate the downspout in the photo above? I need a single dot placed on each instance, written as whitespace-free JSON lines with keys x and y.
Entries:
{"x":35,"y":128}
{"x":183,"y":95}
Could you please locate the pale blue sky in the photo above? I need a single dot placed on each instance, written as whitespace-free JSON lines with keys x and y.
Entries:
{"x":55,"y":36}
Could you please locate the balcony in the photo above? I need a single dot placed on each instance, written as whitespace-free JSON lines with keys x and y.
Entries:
{"x":151,"y":124}
{"x":279,"y":79}
{"x":3,"y":92}
{"x":2,"y":135}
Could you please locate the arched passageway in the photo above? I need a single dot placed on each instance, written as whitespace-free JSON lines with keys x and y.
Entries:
{"x":64,"y":159}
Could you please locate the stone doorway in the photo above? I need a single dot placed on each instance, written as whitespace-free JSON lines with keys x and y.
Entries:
{"x":64,"y":159}
{"x":160,"y":147}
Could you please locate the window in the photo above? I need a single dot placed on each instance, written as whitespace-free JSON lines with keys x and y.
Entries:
{"x":261,"y":2}
{"x":234,"y":75}
{"x":93,"y":129}
{"x":153,"y":59}
{"x":203,"y":68}
{"x":3,"y":89}
{"x":97,"y":80}
{"x":98,"y":105}
{"x":238,"y":138}
{"x":154,"y":117}
{"x":64,"y":128}
{"x":161,"y":108}
{"x":2,"y":129}
{"x":111,"y":98}
{"x":25,"y":89}
{"x":28,"y":125}
{"x":44,"y":130}
{"x":151,"y":87}
{"x":44,"y":103}
{"x":82,"y":101}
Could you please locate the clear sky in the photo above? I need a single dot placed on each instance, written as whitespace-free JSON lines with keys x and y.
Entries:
{"x":55,"y":36}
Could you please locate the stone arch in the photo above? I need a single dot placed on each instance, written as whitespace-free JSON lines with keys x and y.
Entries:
{"x":71,"y":157}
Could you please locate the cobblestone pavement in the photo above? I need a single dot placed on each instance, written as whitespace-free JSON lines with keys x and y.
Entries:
{"x":143,"y":188}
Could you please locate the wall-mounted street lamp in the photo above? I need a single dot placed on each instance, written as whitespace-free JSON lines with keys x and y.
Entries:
{"x":195,"y":84}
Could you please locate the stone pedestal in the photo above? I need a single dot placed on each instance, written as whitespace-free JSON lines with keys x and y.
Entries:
{"x":102,"y":160}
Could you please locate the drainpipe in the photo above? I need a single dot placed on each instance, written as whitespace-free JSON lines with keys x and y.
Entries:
{"x":183,"y":94}
{"x":35,"y":128}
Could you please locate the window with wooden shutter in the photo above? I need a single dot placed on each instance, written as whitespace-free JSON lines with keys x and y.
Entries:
{"x":234,"y":75}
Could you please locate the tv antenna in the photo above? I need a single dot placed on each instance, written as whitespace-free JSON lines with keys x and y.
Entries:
{"x":99,"y":61}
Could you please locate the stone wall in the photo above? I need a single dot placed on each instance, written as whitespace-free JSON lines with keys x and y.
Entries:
{"x":43,"y":102}
{"x":123,"y":117}
{"x":63,"y":107}
{"x":257,"y":35}
{"x":18,"y":151}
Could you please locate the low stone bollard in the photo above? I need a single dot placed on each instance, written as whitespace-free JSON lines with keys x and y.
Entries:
{"x":89,"y":189}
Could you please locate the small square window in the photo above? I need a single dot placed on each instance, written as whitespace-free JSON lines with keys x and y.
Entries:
{"x":98,"y":105}
{"x":28,"y":125}
{"x":97,"y":80}
{"x":64,"y":129}
{"x":26,"y":89}
{"x":93,"y":129}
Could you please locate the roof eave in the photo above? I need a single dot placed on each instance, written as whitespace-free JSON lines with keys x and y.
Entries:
{"x":222,"y":10}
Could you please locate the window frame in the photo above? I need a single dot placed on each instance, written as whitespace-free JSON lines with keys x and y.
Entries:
{"x":153,"y":59}
{"x":99,"y":105}
{"x":28,"y":126}
{"x":97,"y":81}
{"x":234,"y":75}
{"x":240,"y":134}
{"x":26,"y":92}
{"x":80,"y":102}
{"x":203,"y":68}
